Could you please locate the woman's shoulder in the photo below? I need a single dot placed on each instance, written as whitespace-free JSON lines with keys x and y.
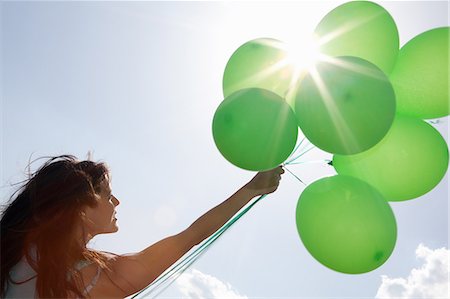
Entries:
{"x":109,"y":255}
{"x":126,"y":274}
{"x":106,"y":284}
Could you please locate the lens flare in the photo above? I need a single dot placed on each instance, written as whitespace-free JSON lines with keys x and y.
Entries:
{"x":303,"y":54}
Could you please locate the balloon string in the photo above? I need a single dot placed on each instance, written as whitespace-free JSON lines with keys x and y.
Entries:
{"x":434,"y":121}
{"x":205,"y":246}
{"x":296,"y":147}
{"x":295,"y":176}
{"x":183,"y":264}
{"x":303,"y":152}
{"x":326,"y":161}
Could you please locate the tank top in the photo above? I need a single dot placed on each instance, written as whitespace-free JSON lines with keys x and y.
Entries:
{"x":22,"y":283}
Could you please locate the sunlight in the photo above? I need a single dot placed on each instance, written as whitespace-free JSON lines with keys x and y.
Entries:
{"x":342,"y":128}
{"x":357,"y":68}
{"x":263,"y":75}
{"x":343,"y":29}
{"x":278,"y":67}
{"x":303,"y":54}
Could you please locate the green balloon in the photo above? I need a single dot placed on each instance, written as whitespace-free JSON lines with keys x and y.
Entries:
{"x":363,"y":29}
{"x":410,"y":161}
{"x":420,"y":76}
{"x":255,"y":129}
{"x":346,"y":224}
{"x":345,"y":107}
{"x":258,"y":63}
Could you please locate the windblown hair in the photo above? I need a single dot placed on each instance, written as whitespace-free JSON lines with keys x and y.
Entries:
{"x":44,"y":213}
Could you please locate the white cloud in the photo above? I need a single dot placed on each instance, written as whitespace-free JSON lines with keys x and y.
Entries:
{"x":429,"y":281}
{"x":197,"y":285}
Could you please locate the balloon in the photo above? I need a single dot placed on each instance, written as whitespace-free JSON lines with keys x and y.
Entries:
{"x":363,"y":29}
{"x":345,"y":107}
{"x":346,"y":224}
{"x":258,"y":63}
{"x":410,"y":161}
{"x":420,"y":76}
{"x":255,"y":129}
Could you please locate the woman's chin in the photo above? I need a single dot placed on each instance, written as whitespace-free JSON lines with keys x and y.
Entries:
{"x":114,"y":228}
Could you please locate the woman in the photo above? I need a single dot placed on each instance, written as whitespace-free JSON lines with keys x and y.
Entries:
{"x":64,"y":204}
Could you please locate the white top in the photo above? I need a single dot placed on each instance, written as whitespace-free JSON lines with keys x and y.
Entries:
{"x":23,"y":278}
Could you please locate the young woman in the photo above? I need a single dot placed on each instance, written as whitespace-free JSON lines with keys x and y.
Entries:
{"x":64,"y":204}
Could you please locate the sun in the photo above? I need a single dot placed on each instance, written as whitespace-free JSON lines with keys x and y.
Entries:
{"x":303,"y":54}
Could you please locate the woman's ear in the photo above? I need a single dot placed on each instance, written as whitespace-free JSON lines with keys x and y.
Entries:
{"x":83,"y":216}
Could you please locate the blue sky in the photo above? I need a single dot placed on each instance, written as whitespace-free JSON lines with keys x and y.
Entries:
{"x":137,"y":84}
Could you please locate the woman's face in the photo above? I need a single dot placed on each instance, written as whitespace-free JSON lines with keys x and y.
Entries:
{"x":101,"y":219}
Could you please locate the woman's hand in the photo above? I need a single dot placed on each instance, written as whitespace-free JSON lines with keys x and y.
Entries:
{"x":265,"y":182}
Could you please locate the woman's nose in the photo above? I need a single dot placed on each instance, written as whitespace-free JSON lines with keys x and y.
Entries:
{"x":115,"y":201}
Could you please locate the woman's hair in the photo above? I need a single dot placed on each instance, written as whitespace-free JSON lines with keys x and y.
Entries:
{"x":44,"y":214}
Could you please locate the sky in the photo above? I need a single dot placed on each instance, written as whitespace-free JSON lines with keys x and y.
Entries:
{"x":136,"y":84}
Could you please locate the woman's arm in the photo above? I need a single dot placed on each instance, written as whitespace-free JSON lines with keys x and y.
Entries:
{"x":206,"y":225}
{"x":133,"y":272}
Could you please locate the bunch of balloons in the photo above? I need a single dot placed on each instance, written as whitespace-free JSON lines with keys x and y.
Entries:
{"x":364,"y":100}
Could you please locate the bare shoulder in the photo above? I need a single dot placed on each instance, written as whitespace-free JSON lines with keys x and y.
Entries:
{"x":130,"y":273}
{"x":110,"y":283}
{"x":126,"y":275}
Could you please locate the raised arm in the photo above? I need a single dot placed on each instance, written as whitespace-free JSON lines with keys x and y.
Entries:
{"x":206,"y":225}
{"x":133,"y":272}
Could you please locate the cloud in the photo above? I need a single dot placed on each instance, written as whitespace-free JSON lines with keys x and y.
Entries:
{"x":197,"y":285}
{"x":429,"y":281}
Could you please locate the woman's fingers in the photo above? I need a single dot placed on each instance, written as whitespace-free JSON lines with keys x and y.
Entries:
{"x":266,"y":182}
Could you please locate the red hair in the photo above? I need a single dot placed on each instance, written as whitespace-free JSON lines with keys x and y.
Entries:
{"x":44,"y":213}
